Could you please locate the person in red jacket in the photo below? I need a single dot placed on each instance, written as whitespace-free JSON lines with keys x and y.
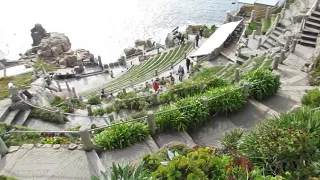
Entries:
{"x":155,"y":85}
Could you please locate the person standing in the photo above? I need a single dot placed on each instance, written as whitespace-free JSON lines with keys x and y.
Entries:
{"x":197,"y":40}
{"x":201,"y":32}
{"x":180,"y":72}
{"x":188,"y":64}
{"x":182,"y":39}
{"x":155,"y":85}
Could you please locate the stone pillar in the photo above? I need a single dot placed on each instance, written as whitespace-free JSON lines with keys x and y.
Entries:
{"x":86,"y":138}
{"x":259,"y":42}
{"x":43,"y":70}
{"x":282,"y":56}
{"x":111,"y":117}
{"x":4,"y":72}
{"x":155,"y":99}
{"x":278,"y":18}
{"x":124,"y":90}
{"x":293,"y":46}
{"x":268,"y":12}
{"x":238,"y":51}
{"x":287,"y":45}
{"x":275,"y":62}
{"x":283,"y":11}
{"x":237,"y":75}
{"x":74,"y":92}
{"x":59,"y":86}
{"x":3,"y":148}
{"x":48,"y":80}
{"x":89,"y":110}
{"x":156,"y":72}
{"x":59,"y":115}
{"x":245,"y":35}
{"x":151,"y":122}
{"x":158,"y":50}
{"x":205,"y":101}
{"x":14,"y":93}
{"x":246,"y":86}
{"x":253,"y":15}
{"x":34,"y":73}
{"x":67,"y":84}
{"x":100,"y":61}
{"x":70,"y":105}
{"x":254,"y":34}
{"x":246,"y":42}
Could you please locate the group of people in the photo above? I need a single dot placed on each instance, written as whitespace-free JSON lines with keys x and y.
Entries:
{"x":180,"y":37}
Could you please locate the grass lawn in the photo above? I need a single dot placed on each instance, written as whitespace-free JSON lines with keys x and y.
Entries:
{"x":47,"y":67}
{"x":21,"y":81}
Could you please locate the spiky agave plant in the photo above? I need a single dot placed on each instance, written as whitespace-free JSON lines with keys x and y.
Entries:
{"x":119,"y":172}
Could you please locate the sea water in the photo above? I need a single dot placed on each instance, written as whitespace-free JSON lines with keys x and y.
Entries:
{"x":104,"y":27}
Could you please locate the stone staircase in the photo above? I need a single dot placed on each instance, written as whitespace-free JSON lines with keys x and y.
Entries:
{"x":15,"y":117}
{"x":311,"y":29}
{"x":271,"y":40}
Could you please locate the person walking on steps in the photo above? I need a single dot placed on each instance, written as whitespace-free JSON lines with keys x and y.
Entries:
{"x":181,"y":73}
{"x":182,"y":39}
{"x":201,"y":32}
{"x":188,"y":64}
{"x":197,"y":40}
{"x":171,"y":78}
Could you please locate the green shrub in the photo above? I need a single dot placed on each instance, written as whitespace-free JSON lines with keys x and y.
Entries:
{"x":95,"y":100}
{"x":45,"y":115}
{"x":121,"y":136}
{"x":122,"y":95}
{"x":232,"y":100}
{"x":3,"y":177}
{"x":264,"y":84}
{"x":138,"y":114}
{"x":110,"y":109}
{"x":286,"y":143}
{"x":165,"y":98}
{"x":99,"y":111}
{"x":311,"y":99}
{"x":138,"y":103}
{"x":231,"y":140}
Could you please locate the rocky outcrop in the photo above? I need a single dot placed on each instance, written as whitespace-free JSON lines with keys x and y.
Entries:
{"x":83,"y":54}
{"x":147,"y":44}
{"x":54,"y":45}
{"x":37,"y":34}
{"x":132,"y":51}
{"x":42,"y":96}
{"x":170,"y":40}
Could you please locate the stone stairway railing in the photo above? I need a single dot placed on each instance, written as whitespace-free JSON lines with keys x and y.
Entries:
{"x":304,"y":19}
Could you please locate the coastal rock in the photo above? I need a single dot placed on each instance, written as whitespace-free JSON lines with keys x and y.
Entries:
{"x":82,"y":54}
{"x":70,"y":60}
{"x":170,"y":40}
{"x":42,"y":96}
{"x":54,"y":45}
{"x":147,"y":44}
{"x":37,"y":34}
{"x":131,"y":51}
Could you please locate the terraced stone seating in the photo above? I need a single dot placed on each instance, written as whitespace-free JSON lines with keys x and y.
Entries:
{"x":144,"y":71}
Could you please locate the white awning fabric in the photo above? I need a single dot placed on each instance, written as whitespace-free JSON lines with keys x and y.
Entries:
{"x":216,"y":39}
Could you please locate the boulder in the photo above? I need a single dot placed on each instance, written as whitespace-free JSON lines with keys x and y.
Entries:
{"x":82,"y":54}
{"x":42,"y":96}
{"x":132,"y":51}
{"x":147,"y":44}
{"x":54,"y":45}
{"x":62,"y":62}
{"x":170,"y":40}
{"x":71,"y":60}
{"x":37,"y":34}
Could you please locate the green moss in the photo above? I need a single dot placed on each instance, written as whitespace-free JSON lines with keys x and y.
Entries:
{"x":252,"y":26}
{"x":45,"y":115}
{"x":266,"y":23}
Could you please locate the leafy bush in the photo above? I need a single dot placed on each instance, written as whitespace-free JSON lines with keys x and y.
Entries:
{"x":99,"y":111}
{"x":185,"y":118}
{"x":45,"y":115}
{"x":3,"y":177}
{"x":110,"y":109}
{"x":138,"y":114}
{"x":232,"y":100}
{"x":121,"y":136}
{"x":286,"y":143}
{"x":95,"y":100}
{"x":138,"y":103}
{"x":231,"y":140}
{"x":311,"y":99}
{"x":122,"y":95}
{"x":264,"y":84}
{"x":165,"y":98}
{"x":123,"y":172}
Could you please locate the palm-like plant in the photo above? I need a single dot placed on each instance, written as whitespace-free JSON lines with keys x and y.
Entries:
{"x":126,"y":172}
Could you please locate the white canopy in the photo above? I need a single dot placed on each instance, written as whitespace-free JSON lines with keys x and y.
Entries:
{"x":263,"y":2}
{"x":216,"y":39}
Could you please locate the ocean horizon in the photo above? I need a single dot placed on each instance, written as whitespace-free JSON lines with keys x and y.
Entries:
{"x":102,"y":27}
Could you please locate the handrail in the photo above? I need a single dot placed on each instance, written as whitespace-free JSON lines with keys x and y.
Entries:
{"x":308,"y":14}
